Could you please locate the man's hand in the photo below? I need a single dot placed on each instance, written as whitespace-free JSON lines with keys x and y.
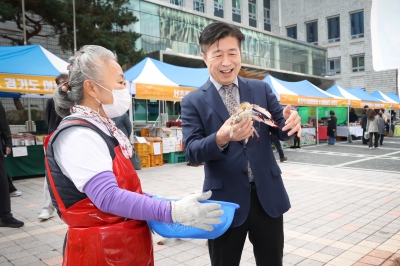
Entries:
{"x":242,"y":130}
{"x":8,"y":150}
{"x":293,"y":121}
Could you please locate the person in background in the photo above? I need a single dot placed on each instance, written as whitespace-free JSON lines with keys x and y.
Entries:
{"x":13,"y":190}
{"x":383,"y":115}
{"x":278,"y":146}
{"x":364,"y":119}
{"x":372,"y":128}
{"x":6,"y":217}
{"x":385,"y":118}
{"x":124,"y":124}
{"x":381,"y":128}
{"x":53,"y":120}
{"x":296,"y":143}
{"x":332,"y":126}
{"x":93,"y":183}
{"x":353,"y":116}
{"x":237,"y":171}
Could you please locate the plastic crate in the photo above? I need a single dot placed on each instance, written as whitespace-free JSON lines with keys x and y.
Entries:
{"x":180,"y":157}
{"x":156,"y":160}
{"x":175,"y":157}
{"x":142,"y":148}
{"x":145,"y":160}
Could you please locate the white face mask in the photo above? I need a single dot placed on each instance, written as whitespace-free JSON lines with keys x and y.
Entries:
{"x":122,"y":100}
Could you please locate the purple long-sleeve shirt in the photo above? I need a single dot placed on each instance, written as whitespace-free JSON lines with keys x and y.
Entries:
{"x":103,"y":191}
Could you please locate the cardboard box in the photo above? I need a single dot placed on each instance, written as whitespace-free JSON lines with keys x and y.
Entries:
{"x":162,"y":132}
{"x":168,"y":144}
{"x":179,"y":132}
{"x":40,"y":139}
{"x":179,"y":144}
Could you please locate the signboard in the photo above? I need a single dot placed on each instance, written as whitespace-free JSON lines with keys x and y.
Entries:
{"x":27,"y":84}
{"x":161,"y":92}
{"x":311,"y":101}
{"x":396,"y":106}
{"x":19,"y":151}
{"x":372,"y":105}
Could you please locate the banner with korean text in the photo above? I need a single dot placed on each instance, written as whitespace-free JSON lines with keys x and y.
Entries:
{"x":396,"y":106}
{"x":311,"y":101}
{"x":161,"y":92}
{"x":27,"y":84}
{"x":372,"y":105}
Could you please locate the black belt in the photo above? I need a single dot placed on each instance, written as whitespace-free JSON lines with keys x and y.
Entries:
{"x":252,"y":186}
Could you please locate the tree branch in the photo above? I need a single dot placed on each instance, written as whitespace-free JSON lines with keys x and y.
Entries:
{"x":19,"y":41}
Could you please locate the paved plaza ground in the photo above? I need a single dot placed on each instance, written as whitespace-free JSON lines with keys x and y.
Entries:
{"x":345,"y":211}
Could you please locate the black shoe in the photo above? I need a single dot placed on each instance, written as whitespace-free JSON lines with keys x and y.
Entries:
{"x":293,"y":147}
{"x":10,"y":222}
{"x":297,"y":147}
{"x":283,"y":159}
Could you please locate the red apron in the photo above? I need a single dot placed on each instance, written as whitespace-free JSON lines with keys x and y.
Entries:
{"x":98,"y":238}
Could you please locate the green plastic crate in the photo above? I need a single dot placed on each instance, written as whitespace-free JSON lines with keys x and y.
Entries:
{"x":175,"y":157}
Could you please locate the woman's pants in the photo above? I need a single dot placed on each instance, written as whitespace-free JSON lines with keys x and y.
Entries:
{"x":331,"y":140}
{"x":381,"y":139}
{"x":375,"y":135}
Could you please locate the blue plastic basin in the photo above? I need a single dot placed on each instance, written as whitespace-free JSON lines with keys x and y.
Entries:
{"x":177,"y":230}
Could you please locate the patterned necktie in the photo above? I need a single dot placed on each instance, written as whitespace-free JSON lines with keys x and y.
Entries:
{"x":230,"y":101}
{"x":230,"y":104}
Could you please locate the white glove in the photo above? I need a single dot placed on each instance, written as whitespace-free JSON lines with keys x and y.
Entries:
{"x":189,"y":211}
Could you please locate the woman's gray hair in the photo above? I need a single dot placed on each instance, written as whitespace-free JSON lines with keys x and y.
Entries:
{"x":87,"y":63}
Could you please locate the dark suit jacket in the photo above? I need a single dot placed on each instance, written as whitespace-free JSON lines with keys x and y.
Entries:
{"x":203,"y":113}
{"x":332,"y":125}
{"x":52,"y":118}
{"x":5,"y":132}
{"x":124,"y":124}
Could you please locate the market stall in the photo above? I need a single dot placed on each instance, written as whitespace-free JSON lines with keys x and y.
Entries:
{"x":157,"y":81}
{"x":28,"y":72}
{"x":313,"y":106}
{"x":357,"y":98}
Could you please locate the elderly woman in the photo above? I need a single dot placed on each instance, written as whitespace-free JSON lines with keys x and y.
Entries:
{"x":93,"y":184}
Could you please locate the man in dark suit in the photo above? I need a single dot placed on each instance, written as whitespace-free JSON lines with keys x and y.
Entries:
{"x":235,"y":171}
{"x":6,"y":217}
{"x":364,"y":123}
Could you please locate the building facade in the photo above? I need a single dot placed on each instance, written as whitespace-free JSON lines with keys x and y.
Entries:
{"x":343,"y":27}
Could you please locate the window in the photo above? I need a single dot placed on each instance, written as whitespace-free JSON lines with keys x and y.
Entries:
{"x":357,"y":25}
{"x":219,"y":8}
{"x":177,"y":2}
{"x":198,"y":5}
{"x":312,"y":32}
{"x":292,"y":32}
{"x":267,"y":15}
{"x":358,"y":63}
{"x":334,"y":66}
{"x":252,"y":13}
{"x":236,"y":11}
{"x":334,"y":29}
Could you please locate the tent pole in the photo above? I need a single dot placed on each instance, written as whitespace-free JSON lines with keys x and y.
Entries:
{"x":29,"y":127}
{"x":74,"y":23}
{"x":131,"y":111}
{"x":349,"y":140}
{"x":390,"y":123}
{"x":23,"y":20}
{"x":316,"y":121}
